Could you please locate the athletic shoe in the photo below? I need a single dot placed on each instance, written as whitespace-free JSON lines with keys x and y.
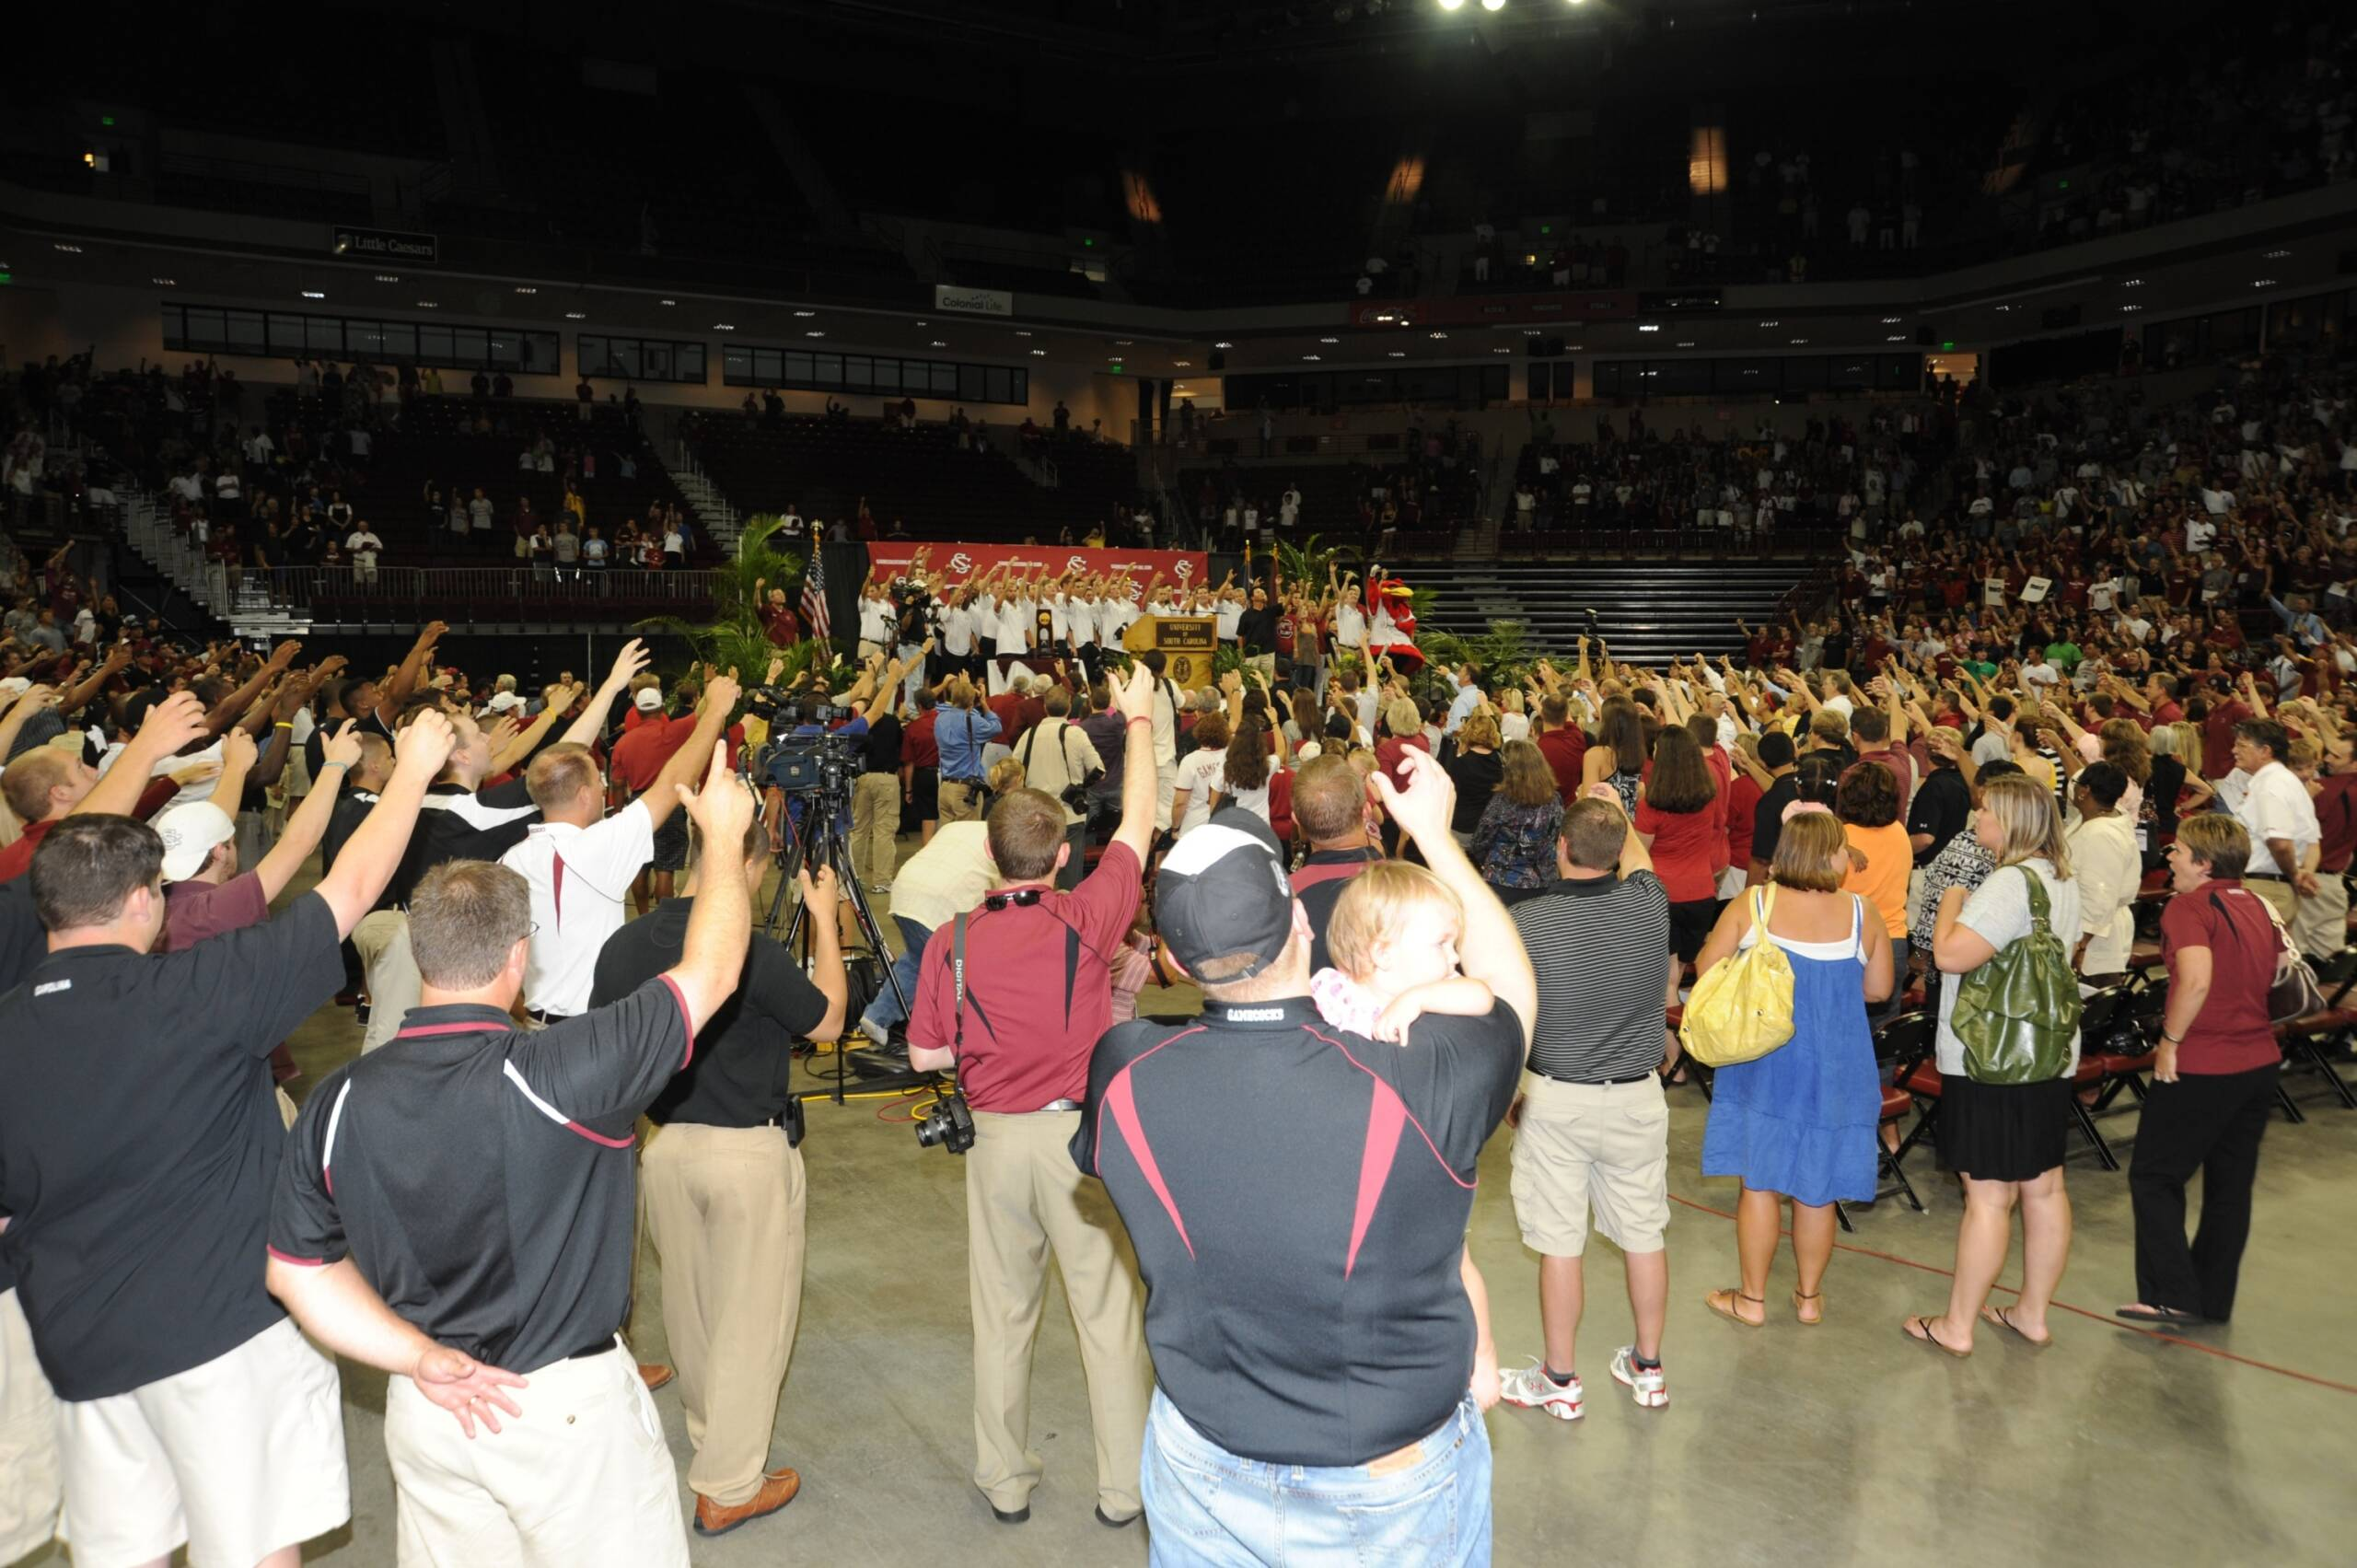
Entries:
{"x":1530,"y":1387}
{"x":875,"y":1031}
{"x":1649,"y":1386}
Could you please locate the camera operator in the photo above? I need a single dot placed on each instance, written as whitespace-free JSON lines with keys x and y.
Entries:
{"x":1059,"y":759}
{"x":958,"y":736}
{"x":721,"y":1186}
{"x":454,"y":1209}
{"x":916,"y":616}
{"x":1314,"y":1368}
{"x":1036,"y":966}
{"x":141,"y":1130}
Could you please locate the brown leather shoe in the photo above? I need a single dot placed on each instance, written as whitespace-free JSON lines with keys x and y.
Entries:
{"x":778,"y":1489}
{"x":654,"y":1373}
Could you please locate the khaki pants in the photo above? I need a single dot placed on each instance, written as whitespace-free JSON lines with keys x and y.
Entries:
{"x":583,"y":1481}
{"x":30,"y":1492}
{"x":875,"y":827}
{"x":2277,"y":894}
{"x":2320,"y":929}
{"x":1023,"y":1195}
{"x":960,"y":802}
{"x":394,"y":985}
{"x":722,"y":1207}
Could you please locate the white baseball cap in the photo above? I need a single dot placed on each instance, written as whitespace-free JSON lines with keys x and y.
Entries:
{"x":189,"y":833}
{"x":649,"y":700}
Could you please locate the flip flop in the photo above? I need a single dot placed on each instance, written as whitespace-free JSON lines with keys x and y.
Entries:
{"x":2140,"y":1313}
{"x":1728,"y":1311}
{"x":1910,"y":1327}
{"x":1998,"y":1315}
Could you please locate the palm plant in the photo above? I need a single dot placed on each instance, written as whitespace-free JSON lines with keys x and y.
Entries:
{"x":735,"y":637}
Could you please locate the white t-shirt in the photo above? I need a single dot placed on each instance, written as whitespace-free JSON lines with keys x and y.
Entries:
{"x":1998,"y":913}
{"x":1080,"y":615}
{"x":957,"y":630}
{"x":875,"y":620}
{"x":362,"y":546}
{"x":1014,"y":625}
{"x":945,"y":879}
{"x":578,"y":906}
{"x":1199,"y":774}
{"x":1230,"y":616}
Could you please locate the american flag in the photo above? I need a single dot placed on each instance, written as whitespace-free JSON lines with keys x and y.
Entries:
{"x":814,"y":598}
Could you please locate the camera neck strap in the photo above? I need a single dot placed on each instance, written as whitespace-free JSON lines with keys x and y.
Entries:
{"x":958,"y":984}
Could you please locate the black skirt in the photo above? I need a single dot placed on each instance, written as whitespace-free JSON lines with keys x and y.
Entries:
{"x":2002,"y":1131}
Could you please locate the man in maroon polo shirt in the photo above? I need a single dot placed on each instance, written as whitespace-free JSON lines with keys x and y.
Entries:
{"x":1014,"y":996}
{"x":1564,"y":745}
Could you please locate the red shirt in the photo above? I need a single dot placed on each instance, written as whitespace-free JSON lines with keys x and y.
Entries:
{"x":196,"y":910}
{"x":2337,"y":815}
{"x":918,"y":747}
{"x":1024,"y":1045}
{"x":640,"y":755}
{"x":779,"y":622}
{"x":2231,"y":1034}
{"x":2218,"y":737}
{"x":1388,"y":751}
{"x":1566,"y":752}
{"x":18,"y":858}
{"x":1742,"y":798}
{"x":1008,"y":706}
{"x":1684,"y":846}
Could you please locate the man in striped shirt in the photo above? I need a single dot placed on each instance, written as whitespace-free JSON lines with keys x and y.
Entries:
{"x":1591,"y":1127}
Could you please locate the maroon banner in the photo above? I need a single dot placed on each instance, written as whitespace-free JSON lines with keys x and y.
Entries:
{"x":956,"y":562}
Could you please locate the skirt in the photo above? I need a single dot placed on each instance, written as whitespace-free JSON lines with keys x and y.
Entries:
{"x":2002,"y":1131}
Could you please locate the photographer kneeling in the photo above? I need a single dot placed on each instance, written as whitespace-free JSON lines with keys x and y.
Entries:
{"x":1014,"y":996}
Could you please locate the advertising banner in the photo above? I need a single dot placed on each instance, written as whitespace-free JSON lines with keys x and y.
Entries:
{"x":956,"y":562}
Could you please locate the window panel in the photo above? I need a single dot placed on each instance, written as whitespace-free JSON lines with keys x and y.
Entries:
{"x":207,"y":327}
{"x":400,"y":339}
{"x":434,"y":346}
{"x":323,"y":334}
{"x":859,"y":372}
{"x":735,"y":365}
{"x":363,"y":339}
{"x":286,"y":335}
{"x":246,"y":334}
{"x":689,"y":363}
{"x":469,"y":346}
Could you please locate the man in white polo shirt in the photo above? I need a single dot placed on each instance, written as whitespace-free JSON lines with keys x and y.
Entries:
{"x":2274,"y":805}
{"x":578,"y":863}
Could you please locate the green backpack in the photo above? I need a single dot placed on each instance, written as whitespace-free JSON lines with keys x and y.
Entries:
{"x":2018,"y":1014}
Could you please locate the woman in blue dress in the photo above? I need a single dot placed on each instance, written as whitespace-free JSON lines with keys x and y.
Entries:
{"x":1799,"y":1121}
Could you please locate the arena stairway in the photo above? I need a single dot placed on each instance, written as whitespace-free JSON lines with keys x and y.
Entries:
{"x":1647,"y":611}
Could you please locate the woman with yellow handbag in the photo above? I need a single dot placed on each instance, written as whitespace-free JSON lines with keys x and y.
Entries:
{"x":1799,"y":1122}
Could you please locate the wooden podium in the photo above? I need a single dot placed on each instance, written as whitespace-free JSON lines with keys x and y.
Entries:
{"x":1185,"y":642}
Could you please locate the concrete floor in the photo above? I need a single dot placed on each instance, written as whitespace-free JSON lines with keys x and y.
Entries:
{"x":1841,"y":1444}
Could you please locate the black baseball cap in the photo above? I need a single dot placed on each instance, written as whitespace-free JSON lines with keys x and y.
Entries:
{"x":1222,"y":890}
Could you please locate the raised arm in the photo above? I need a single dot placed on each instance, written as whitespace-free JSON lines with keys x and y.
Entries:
{"x":720,"y":923}
{"x":1491,"y":949}
{"x":237,"y":763}
{"x":340,"y":753}
{"x":234,"y":706}
{"x":403,"y":681}
{"x":170,"y":724}
{"x":585,"y":729}
{"x":1133,"y":700}
{"x":688,"y":763}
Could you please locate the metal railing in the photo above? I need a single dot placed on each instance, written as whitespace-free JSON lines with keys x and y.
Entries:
{"x":498,"y":593}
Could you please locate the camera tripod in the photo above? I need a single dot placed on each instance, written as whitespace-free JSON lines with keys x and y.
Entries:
{"x":815,"y":841}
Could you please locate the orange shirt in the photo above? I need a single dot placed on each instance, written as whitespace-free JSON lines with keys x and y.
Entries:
{"x":1889,"y":858}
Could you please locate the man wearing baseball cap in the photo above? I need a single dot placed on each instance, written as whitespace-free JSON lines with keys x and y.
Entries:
{"x":1297,"y":1195}
{"x":204,"y":893}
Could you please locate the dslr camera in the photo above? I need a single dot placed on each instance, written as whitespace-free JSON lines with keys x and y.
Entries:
{"x":951,"y":1125}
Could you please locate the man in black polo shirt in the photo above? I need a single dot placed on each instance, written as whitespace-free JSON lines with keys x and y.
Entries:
{"x":31,"y":1493}
{"x":721,"y":1189}
{"x":1298,"y":1197}
{"x":1776,"y":755}
{"x":462,"y":1198}
{"x":1591,"y":1127}
{"x":1329,"y":807}
{"x":137,"y":1137}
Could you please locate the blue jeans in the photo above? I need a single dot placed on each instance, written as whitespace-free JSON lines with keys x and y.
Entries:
{"x":1208,"y":1508}
{"x":885,"y":1010}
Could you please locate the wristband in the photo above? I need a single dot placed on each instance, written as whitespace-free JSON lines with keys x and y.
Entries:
{"x":332,"y":763}
{"x":284,"y":723}
{"x":1141,"y":718}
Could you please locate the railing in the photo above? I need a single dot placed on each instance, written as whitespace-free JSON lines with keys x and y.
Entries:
{"x":484,"y":593}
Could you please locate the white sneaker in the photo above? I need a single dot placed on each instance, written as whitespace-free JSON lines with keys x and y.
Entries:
{"x":1649,"y":1386}
{"x":876,"y":1031}
{"x":1530,"y":1387}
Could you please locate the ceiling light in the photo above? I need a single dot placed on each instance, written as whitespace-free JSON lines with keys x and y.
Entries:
{"x":666,"y":302}
{"x":1494,"y":5}
{"x":939,"y":344}
{"x":1688,"y":344}
{"x":1901,"y":337}
{"x":1772,"y":323}
{"x":1649,"y":326}
{"x":1502,"y":351}
{"x":1436,"y":336}
{"x":428,"y":304}
{"x":1890,"y":320}
{"x":313,"y":293}
{"x":1452,"y":4}
{"x":1797,"y":341}
{"x":1184,"y":363}
{"x":1530,"y":332}
{"x":805,"y":315}
{"x":164,"y":283}
{"x":1385,"y":316}
{"x":2002,"y":309}
{"x":2277,"y":255}
{"x":814,"y":335}
{"x":69,"y":249}
{"x":924,"y":323}
{"x":724,"y":326}
{"x":1329,"y":340}
{"x":2133,"y":283}
{"x":1021,"y":333}
{"x":1222,"y":343}
{"x":575,"y":316}
{"x":2130,"y":309}
{"x":1311,"y":357}
{"x":526,"y":288}
{"x":1399,"y":354}
{"x":1121,"y":343}
{"x":389,"y":277}
{"x":1038,"y":354}
{"x":2262,"y":283}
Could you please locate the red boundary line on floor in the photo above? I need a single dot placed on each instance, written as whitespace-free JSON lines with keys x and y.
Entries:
{"x":2108,"y":1322}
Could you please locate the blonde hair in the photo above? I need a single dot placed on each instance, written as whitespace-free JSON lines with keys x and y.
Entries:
{"x":1812,"y":853}
{"x":1005,"y":776}
{"x":1403,"y":717}
{"x":2217,"y":841}
{"x":2026,"y":816}
{"x":1375,"y":903}
{"x":1480,"y":728}
{"x":2189,"y":745}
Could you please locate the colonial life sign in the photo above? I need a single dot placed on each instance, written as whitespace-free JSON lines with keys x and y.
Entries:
{"x":384,"y":245}
{"x":972,"y":301}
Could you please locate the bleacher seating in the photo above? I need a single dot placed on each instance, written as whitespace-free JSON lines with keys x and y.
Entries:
{"x":917,"y":477}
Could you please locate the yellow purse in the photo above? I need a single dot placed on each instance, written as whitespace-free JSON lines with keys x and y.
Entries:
{"x":1743,"y":1008}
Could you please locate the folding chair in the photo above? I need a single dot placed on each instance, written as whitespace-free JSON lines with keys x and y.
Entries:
{"x":1903,"y":1037}
{"x":2306,"y":1040}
